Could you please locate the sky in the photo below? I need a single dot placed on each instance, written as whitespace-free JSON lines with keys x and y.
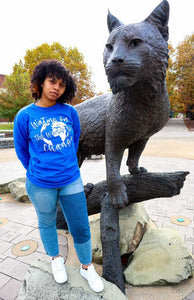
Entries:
{"x":26,"y":24}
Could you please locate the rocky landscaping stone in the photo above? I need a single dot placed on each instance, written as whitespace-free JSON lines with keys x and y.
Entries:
{"x":128,"y":219}
{"x":4,"y":188}
{"x":161,"y":258}
{"x":18,"y":189}
{"x":39,"y":284}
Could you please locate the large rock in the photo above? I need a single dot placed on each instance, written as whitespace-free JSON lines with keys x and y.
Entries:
{"x":39,"y":284}
{"x":4,"y":188}
{"x":128,"y":220}
{"x":161,"y":258}
{"x":18,"y":189}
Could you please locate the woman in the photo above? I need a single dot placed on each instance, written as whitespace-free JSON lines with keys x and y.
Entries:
{"x":46,"y":137}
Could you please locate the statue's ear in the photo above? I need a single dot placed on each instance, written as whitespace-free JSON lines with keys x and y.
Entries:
{"x":159,"y":17}
{"x":112,"y":22}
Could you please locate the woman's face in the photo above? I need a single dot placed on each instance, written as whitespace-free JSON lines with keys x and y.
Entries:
{"x":52,"y":89}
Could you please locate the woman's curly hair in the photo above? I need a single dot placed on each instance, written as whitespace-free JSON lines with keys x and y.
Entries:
{"x":53,"y":69}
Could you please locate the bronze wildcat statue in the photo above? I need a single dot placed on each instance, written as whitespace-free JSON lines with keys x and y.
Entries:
{"x":135,"y":61}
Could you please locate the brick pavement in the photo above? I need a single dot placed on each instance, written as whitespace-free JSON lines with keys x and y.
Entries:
{"x":22,"y":222}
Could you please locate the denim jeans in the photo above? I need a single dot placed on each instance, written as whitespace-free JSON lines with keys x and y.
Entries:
{"x":73,"y":204}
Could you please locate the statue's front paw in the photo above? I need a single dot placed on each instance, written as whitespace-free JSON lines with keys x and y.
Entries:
{"x":137,"y":170}
{"x":118,"y":196}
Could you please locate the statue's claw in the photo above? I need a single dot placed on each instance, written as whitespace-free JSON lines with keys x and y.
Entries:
{"x":118,"y":196}
{"x":136,"y":170}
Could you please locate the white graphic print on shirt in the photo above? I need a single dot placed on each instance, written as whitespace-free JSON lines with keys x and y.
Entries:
{"x":53,"y":133}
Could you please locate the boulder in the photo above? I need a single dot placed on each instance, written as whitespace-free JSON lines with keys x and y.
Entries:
{"x":161,"y":258}
{"x":18,"y":189}
{"x":4,"y":188}
{"x":39,"y":284}
{"x":129,"y":217}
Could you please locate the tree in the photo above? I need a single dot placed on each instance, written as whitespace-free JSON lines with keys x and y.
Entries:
{"x":17,"y":93}
{"x":180,"y":75}
{"x":17,"y":85}
{"x":184,"y":67}
{"x":171,"y":78}
{"x":71,"y":58}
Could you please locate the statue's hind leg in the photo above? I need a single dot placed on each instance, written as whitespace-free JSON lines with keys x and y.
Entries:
{"x":134,"y":152}
{"x":80,"y":158}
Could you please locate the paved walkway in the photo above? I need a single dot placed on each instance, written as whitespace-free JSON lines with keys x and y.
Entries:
{"x":172,"y":149}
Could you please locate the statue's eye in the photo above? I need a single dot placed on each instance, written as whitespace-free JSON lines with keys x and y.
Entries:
{"x":135,"y":43}
{"x":109,"y":47}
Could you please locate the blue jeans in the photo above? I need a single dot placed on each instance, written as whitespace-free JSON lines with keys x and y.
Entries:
{"x":73,"y":204}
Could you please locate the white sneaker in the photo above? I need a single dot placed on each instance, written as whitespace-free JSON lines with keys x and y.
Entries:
{"x":94,"y":280}
{"x":58,"y":268}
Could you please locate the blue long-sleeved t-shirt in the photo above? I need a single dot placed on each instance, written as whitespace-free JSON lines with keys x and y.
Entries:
{"x":46,"y":141}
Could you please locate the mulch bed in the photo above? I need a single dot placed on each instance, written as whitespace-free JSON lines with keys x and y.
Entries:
{"x":190,"y":124}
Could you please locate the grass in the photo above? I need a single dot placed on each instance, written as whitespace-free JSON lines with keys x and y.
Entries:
{"x":7,"y":126}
